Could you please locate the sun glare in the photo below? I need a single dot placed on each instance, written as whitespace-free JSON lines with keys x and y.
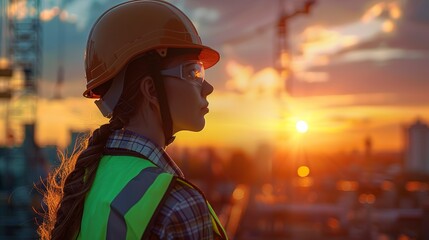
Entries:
{"x":301,"y":126}
{"x":303,"y":171}
{"x":388,"y":26}
{"x":4,"y":62}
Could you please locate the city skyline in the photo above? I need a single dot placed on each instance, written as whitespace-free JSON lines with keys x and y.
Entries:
{"x":318,"y":126}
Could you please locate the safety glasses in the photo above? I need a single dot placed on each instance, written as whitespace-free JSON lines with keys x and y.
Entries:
{"x":191,"y":71}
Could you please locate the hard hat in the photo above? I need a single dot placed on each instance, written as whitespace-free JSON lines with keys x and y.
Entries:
{"x":133,"y":28}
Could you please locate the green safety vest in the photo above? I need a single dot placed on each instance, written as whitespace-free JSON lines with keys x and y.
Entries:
{"x":126,"y":194}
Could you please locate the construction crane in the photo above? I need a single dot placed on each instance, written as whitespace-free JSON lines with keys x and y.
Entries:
{"x":5,"y":69}
{"x":283,"y":59}
{"x":20,"y":63}
{"x":60,"y":55}
{"x":20,"y":52}
{"x":284,"y":56}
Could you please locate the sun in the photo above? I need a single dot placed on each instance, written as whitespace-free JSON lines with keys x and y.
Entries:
{"x":303,"y":171}
{"x":301,"y":126}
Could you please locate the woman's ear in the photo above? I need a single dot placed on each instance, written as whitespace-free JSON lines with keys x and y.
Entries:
{"x":148,"y":91}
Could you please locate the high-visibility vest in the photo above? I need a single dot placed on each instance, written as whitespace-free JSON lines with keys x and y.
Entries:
{"x":126,"y":194}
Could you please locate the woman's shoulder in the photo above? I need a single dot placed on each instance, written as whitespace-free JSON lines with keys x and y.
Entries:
{"x":184,"y":214}
{"x":183,"y":191}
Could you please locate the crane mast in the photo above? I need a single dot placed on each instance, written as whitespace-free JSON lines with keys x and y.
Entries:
{"x":20,"y":63}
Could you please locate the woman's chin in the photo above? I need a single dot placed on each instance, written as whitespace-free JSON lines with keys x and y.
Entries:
{"x":195,"y":127}
{"x":199,"y":127}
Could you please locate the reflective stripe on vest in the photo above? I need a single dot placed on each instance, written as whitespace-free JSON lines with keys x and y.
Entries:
{"x":124,"y":198}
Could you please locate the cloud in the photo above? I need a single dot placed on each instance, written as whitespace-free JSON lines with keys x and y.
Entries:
{"x":375,"y":22}
{"x":312,"y":77}
{"x":331,"y":14}
{"x":408,"y":33}
{"x":206,"y":14}
{"x":404,"y":77}
{"x":81,"y":13}
{"x":385,"y":9}
{"x":382,"y":54}
{"x":244,"y":80}
{"x":389,"y":55}
{"x":407,"y":36}
{"x":84,"y":10}
{"x":222,"y":22}
{"x":48,"y":14}
{"x":20,"y":10}
{"x":240,"y":77}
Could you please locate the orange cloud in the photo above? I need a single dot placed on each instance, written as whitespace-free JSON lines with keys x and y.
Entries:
{"x":48,"y":14}
{"x":20,"y":10}
{"x":243,"y":80}
{"x":392,"y":8}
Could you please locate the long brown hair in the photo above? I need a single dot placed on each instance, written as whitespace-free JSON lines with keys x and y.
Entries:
{"x":68,"y":184}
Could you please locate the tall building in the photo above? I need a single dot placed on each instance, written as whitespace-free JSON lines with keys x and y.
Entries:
{"x":417,"y":147}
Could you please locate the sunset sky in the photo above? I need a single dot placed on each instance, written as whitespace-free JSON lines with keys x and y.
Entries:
{"x":361,"y":68}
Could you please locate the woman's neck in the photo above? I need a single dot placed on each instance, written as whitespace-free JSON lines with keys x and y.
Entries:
{"x":149,"y":126}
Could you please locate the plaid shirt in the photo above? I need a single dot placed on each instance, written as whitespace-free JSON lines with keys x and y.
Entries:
{"x":185,"y":214}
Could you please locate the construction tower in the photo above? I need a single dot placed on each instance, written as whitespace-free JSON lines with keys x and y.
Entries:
{"x":20,"y":64}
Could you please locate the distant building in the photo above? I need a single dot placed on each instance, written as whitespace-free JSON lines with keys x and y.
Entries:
{"x":264,"y":161}
{"x":22,"y":165}
{"x":417,"y":147}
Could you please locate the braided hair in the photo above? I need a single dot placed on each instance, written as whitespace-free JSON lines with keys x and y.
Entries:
{"x":68,"y":184}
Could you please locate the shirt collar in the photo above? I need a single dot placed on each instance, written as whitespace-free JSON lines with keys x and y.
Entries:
{"x":125,"y":139}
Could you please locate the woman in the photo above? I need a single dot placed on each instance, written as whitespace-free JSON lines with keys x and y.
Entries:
{"x":145,"y":62}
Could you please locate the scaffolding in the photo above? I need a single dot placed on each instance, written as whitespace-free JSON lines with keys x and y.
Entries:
{"x":26,"y":39}
{"x":20,"y":63}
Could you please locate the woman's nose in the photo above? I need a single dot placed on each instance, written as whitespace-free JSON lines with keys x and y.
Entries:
{"x":207,"y":89}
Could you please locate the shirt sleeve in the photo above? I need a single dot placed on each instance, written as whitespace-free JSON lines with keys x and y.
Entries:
{"x":186,"y":215}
